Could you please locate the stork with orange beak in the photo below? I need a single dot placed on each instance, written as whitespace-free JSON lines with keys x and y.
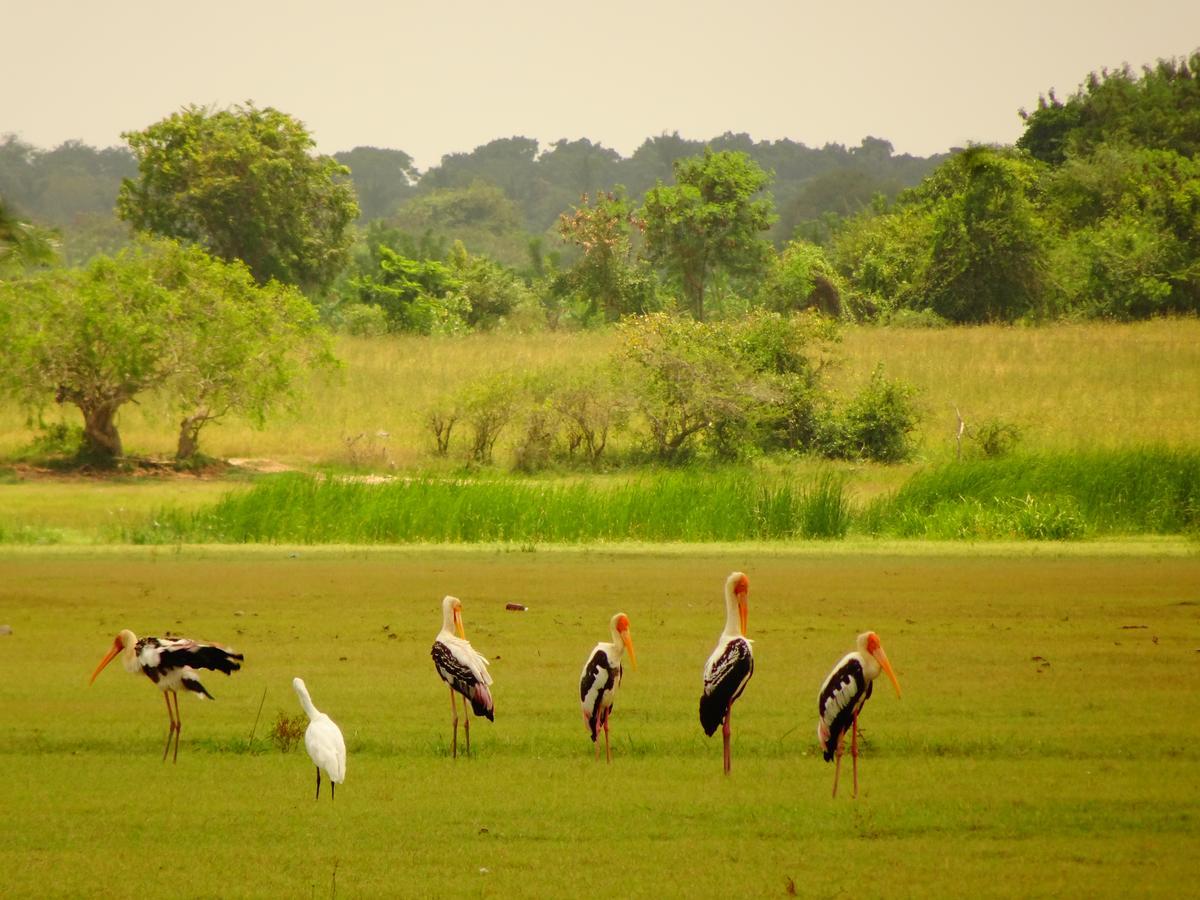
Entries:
{"x":842,"y":696}
{"x":463,"y":669}
{"x":731,"y":664}
{"x":601,"y":677}
{"x":170,"y":663}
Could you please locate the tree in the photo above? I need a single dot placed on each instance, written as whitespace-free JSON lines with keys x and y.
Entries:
{"x":988,"y":253}
{"x":605,"y":275}
{"x":157,"y":316}
{"x":382,"y":178}
{"x":421,"y":295}
{"x":708,"y":222}
{"x":243,"y":184}
{"x":23,"y":245}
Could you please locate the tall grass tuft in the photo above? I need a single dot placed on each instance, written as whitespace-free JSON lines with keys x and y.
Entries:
{"x":689,"y":506}
{"x":1047,"y":496}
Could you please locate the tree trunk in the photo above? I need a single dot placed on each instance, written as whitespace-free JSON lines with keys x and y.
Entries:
{"x":189,"y":435}
{"x":101,"y":441}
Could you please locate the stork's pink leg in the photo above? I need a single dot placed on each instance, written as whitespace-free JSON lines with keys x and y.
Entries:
{"x":607,"y":749}
{"x":837,"y":765}
{"x":178,"y":727}
{"x":467,"y":724}
{"x":454,"y":713}
{"x":725,"y":736}
{"x":171,"y":728}
{"x":854,"y":752}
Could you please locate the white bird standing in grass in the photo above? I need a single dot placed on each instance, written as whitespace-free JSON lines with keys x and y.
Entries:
{"x":843,"y":694}
{"x":601,"y":677}
{"x":171,"y":664}
{"x":731,"y":664}
{"x":323,"y":741}
{"x":463,"y":669}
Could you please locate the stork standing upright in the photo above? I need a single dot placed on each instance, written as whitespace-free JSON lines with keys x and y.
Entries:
{"x":731,"y":664}
{"x":323,"y":740}
{"x":601,"y":677}
{"x":171,"y":664}
{"x":463,"y":669}
{"x":843,"y":694}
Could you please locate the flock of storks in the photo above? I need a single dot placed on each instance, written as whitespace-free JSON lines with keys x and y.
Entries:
{"x":171,"y":664}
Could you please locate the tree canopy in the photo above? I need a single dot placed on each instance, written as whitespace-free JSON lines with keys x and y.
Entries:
{"x":244,"y":184}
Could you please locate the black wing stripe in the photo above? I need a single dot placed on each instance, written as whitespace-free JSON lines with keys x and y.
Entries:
{"x":844,"y":692}
{"x":725,"y":684}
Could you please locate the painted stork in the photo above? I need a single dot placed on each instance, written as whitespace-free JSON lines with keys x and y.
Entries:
{"x":463,"y":669}
{"x":601,"y":677}
{"x":731,"y":664}
{"x":842,"y":696}
{"x":324,"y":742}
{"x":170,"y":663}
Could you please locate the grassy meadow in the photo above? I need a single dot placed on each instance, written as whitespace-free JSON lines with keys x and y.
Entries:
{"x":1068,"y":386}
{"x":1046,"y":743}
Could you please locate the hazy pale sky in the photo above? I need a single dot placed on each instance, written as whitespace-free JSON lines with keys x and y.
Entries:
{"x":437,"y":78}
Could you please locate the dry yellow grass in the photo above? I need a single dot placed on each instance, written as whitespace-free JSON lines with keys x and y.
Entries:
{"x":1068,"y":386}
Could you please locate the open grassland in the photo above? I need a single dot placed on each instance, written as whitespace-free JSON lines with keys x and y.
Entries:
{"x":1046,"y":744}
{"x":1069,"y":387}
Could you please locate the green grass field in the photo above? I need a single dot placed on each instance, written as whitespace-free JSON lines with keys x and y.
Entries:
{"x":1046,"y":743}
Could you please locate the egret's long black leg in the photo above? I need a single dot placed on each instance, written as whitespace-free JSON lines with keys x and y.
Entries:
{"x":318,"y":795}
{"x":332,"y":787}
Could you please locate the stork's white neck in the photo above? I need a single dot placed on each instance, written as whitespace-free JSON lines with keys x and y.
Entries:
{"x":733,"y":621}
{"x":448,"y":615}
{"x":305,"y":700}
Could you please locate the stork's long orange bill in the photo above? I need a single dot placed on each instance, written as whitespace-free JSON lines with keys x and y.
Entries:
{"x":458,"y":625}
{"x":743,"y":612}
{"x":887,"y":667}
{"x":116,"y":648}
{"x":628,"y":642}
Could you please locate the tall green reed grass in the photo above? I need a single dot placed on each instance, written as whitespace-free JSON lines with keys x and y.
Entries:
{"x":1046,"y":496}
{"x":1062,"y":496}
{"x":671,"y":506}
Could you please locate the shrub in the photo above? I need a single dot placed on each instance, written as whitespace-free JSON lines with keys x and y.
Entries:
{"x":995,"y":438}
{"x":488,"y":406}
{"x":288,"y":731}
{"x":875,"y":425}
{"x":363,"y":320}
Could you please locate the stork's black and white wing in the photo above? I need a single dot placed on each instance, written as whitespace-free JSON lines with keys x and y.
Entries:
{"x":725,"y":677}
{"x":465,"y":671}
{"x":842,"y":696}
{"x":174,"y":660}
{"x":597,"y":685}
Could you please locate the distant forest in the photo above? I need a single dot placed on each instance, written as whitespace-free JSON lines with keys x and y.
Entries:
{"x":73,"y":187}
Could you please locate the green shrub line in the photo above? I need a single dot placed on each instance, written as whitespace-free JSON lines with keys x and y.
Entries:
{"x":1038,"y":497}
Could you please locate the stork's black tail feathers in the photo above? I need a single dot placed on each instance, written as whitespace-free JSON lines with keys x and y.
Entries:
{"x":210,"y":656}
{"x":712,"y":711}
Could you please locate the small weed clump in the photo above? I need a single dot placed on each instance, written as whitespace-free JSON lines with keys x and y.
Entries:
{"x":288,"y":731}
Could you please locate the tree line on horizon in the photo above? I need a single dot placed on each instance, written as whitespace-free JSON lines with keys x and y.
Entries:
{"x":1094,"y":213}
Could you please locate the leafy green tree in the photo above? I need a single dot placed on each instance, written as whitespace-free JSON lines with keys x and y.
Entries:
{"x":709,"y":223}
{"x":157,"y":316}
{"x":1160,"y":109}
{"x":801,"y":277}
{"x":383,"y":179}
{"x":243,"y":184}
{"x":494,"y":294}
{"x":606,"y":275}
{"x":478,"y":214}
{"x":988,"y":251}
{"x":22,"y":244}
{"x":421,"y":295}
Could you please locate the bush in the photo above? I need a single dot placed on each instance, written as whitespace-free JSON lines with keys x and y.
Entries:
{"x":288,"y":731}
{"x":995,"y":438}
{"x":875,"y":425}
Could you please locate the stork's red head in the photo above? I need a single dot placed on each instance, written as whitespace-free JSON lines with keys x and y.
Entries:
{"x":620,"y":624}
{"x":870,"y":643}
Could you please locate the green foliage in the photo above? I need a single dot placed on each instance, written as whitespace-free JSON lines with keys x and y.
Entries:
{"x":158,"y":315}
{"x":987,"y":256}
{"x":382,"y":178}
{"x":242,"y":183}
{"x":709,"y":223}
{"x":494,"y":295}
{"x":993,"y":438}
{"x":1160,"y":109}
{"x":420,"y":295}
{"x":876,"y":424}
{"x":801,"y":277}
{"x":23,"y":245}
{"x":606,"y":277}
